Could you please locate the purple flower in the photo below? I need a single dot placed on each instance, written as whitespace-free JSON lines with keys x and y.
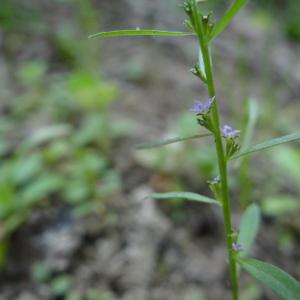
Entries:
{"x":216,"y":180}
{"x":229,"y":132}
{"x":202,"y":108}
{"x":237,"y":247}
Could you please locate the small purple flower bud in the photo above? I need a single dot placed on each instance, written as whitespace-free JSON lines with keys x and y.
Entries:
{"x":229,"y":132}
{"x":202,"y":108}
{"x":237,"y":247}
{"x":216,"y":180}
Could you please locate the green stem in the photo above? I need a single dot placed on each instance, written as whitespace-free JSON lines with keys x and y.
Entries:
{"x":222,"y":162}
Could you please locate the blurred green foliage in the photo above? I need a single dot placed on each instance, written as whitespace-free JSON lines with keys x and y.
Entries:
{"x":177,"y":158}
{"x":62,"y":285}
{"x":286,"y":13}
{"x":56,"y":135}
{"x":91,"y":294}
{"x":17,"y":15}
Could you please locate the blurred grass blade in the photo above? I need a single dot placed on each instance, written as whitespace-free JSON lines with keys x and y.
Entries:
{"x":229,"y":15}
{"x":45,"y":134}
{"x":269,"y":144}
{"x":248,"y":228}
{"x":3,"y":252}
{"x":139,"y":32}
{"x":283,"y":284}
{"x":251,"y":122}
{"x":280,"y":205}
{"x":183,"y":196}
{"x":170,"y":141}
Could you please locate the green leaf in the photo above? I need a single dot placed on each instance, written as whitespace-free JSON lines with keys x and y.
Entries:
{"x":27,"y":167}
{"x":14,"y":221}
{"x":280,"y":205}
{"x":229,"y":15}
{"x":40,"y":188}
{"x":46,"y":134}
{"x":90,"y":92}
{"x":3,"y":252}
{"x":269,"y":144}
{"x":139,"y":32}
{"x":61,"y":285}
{"x":248,"y":228}
{"x":251,"y":292}
{"x":170,"y":141}
{"x":40,"y":272}
{"x":283,"y":284}
{"x":7,"y":197}
{"x":196,"y":294}
{"x":287,"y":160}
{"x":252,"y":119}
{"x":183,"y":196}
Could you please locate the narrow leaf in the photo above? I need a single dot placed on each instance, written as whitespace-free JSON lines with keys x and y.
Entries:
{"x":283,"y":284}
{"x":45,"y":134}
{"x":3,"y":252}
{"x":280,"y":205}
{"x":248,"y":228}
{"x":139,"y":32}
{"x":201,"y":61}
{"x":183,"y":196}
{"x":229,"y":15}
{"x":268,"y":144}
{"x":170,"y":141}
{"x":252,"y":119}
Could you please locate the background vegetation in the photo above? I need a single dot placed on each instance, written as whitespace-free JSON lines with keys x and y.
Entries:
{"x":73,"y":225}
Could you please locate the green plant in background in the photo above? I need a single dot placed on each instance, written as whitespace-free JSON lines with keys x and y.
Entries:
{"x":91,"y":294}
{"x":293,"y":22}
{"x":56,"y":138}
{"x":244,"y":168}
{"x":238,"y":242}
{"x":62,"y":285}
{"x":69,"y":161}
{"x":289,"y":15}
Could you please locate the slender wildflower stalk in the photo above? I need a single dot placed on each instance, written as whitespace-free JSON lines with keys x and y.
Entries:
{"x":238,"y":243}
{"x":198,"y":22}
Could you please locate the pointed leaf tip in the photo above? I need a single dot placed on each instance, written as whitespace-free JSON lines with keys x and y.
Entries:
{"x":229,"y":15}
{"x":183,"y":196}
{"x":249,"y":228}
{"x":170,"y":141}
{"x":269,"y":144}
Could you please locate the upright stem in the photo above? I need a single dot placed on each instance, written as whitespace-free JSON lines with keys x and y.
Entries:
{"x":222,"y":161}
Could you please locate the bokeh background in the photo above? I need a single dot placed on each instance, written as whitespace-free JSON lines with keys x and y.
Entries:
{"x":74,"y":224}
